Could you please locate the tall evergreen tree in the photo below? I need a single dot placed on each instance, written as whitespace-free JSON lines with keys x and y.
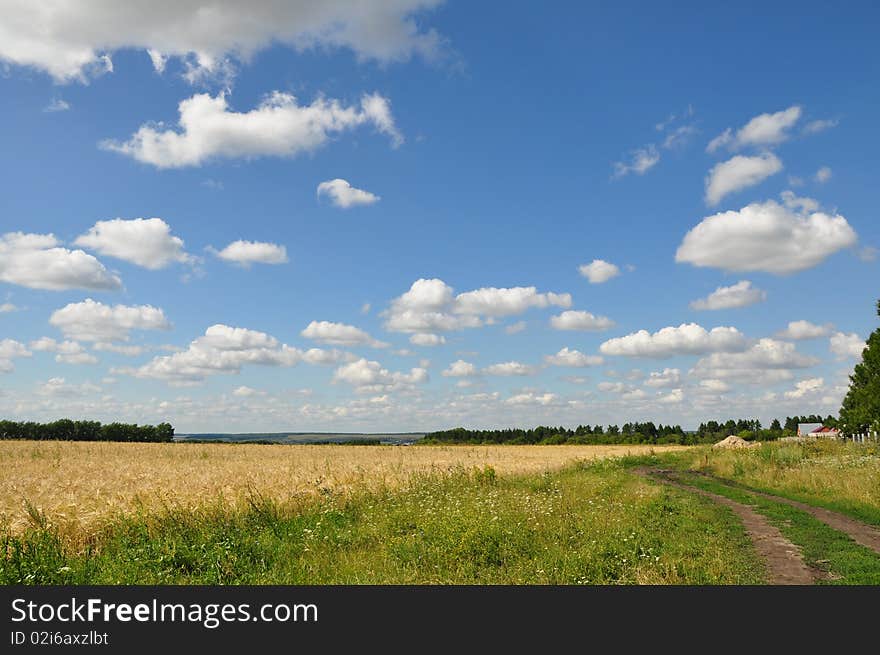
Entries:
{"x":861,"y":406}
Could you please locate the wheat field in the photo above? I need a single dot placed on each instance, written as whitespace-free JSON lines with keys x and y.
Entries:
{"x":77,"y":485}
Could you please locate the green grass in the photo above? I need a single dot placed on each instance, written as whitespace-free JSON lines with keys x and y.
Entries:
{"x":593,"y":524}
{"x":823,"y":547}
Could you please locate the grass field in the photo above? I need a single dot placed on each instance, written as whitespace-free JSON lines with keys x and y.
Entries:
{"x":101,"y":513}
{"x":78,"y":485}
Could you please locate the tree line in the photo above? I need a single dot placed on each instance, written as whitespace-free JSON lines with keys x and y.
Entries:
{"x":67,"y":430}
{"x":631,"y":433}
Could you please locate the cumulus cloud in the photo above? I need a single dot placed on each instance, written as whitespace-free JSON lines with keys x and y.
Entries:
{"x":224,"y":349}
{"x":460,"y":369}
{"x":147,"y":242}
{"x":799,"y":330}
{"x":74,"y":41}
{"x":431,"y":306}
{"x":580,"y":320}
{"x":762,"y":130}
{"x":573,"y":358}
{"x":119,"y":349}
{"x":847,"y":345}
{"x":765,"y":237}
{"x":805,"y":387}
{"x":67,"y":352}
{"x":60,"y":387}
{"x":599,"y":271}
{"x":741,"y":294}
{"x":767,"y":360}
{"x":686,"y":339}
{"x":340,"y":334}
{"x":641,"y":161}
{"x":278,"y":127}
{"x":370,"y":376}
{"x":674,"y":396}
{"x":738,"y":173}
{"x":37,"y":261}
{"x":90,"y":320}
{"x":11,"y":349}
{"x":668,"y":377}
{"x":714,"y":386}
{"x":823,"y":175}
{"x":427,"y":339}
{"x":507,"y":369}
{"x":245,"y":253}
{"x":532,"y":398}
{"x":343,"y":195}
{"x":7,"y":308}
{"x":515,"y":328}
{"x":246,"y":392}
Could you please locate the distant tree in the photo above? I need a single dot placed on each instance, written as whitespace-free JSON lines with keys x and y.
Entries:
{"x":861,"y":406}
{"x":776,"y":426}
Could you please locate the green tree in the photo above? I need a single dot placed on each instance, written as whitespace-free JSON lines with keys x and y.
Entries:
{"x":861,"y":406}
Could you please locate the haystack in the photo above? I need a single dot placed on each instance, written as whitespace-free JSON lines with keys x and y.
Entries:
{"x":735,"y":442}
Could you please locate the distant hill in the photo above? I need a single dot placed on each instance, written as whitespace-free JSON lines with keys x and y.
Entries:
{"x":394,"y":438}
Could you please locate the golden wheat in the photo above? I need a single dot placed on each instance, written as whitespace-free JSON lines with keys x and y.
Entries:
{"x":78,"y":484}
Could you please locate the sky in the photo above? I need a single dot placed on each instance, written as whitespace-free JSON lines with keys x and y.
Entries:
{"x":413,"y":215}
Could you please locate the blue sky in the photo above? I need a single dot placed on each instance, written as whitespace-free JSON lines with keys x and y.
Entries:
{"x":695,"y":185}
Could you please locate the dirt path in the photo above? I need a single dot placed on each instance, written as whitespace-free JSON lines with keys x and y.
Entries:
{"x":862,"y":533}
{"x":785,"y":564}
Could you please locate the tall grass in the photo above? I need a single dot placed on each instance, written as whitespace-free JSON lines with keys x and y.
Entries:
{"x":590,"y":524}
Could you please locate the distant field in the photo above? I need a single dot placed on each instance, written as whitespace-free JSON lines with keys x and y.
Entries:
{"x":77,"y":485}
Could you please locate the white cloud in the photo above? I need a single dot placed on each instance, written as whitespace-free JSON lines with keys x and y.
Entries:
{"x":371,"y":376}
{"x":245,"y":253}
{"x":495,"y":302}
{"x":460,"y":369}
{"x":225,"y":350}
{"x":246,"y":392}
{"x":7,"y":308}
{"x":56,"y":105}
{"x":94,"y":321}
{"x":60,"y":387}
{"x":767,"y":360}
{"x":714,"y":386}
{"x":643,"y":160}
{"x":36,"y":261}
{"x":515,"y":328}
{"x":799,"y":203}
{"x":74,"y":41}
{"x":599,"y":271}
{"x":765,"y":237}
{"x":427,"y":339}
{"x":343,"y":195}
{"x":574,"y":358}
{"x":805,"y":330}
{"x":67,"y":352}
{"x":128,"y":351}
{"x":819,"y":125}
{"x":279,"y":126}
{"x":739,"y":172}
{"x":11,"y":349}
{"x":430,"y":306}
{"x":686,"y":339}
{"x":506,"y":369}
{"x":847,"y":345}
{"x":580,"y":320}
{"x":762,"y":130}
{"x":668,"y":377}
{"x":531,"y":398}
{"x":823,"y":175}
{"x":806,"y":387}
{"x":340,"y":334}
{"x":741,"y":294}
{"x":146,"y":242}
{"x":674,"y":396}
